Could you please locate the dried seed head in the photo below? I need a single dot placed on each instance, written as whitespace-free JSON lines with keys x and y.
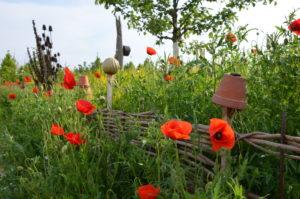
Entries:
{"x":53,"y":59}
{"x":50,"y":28}
{"x":43,"y":47}
{"x":43,"y":35}
{"x":58,"y":54}
{"x":44,"y":27}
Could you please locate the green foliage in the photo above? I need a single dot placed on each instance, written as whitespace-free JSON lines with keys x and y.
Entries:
{"x":8,"y":68}
{"x":175,"y":20}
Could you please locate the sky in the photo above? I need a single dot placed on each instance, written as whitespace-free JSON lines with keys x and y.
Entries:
{"x":83,"y":30}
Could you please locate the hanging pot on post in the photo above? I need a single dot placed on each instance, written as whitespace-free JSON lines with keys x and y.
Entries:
{"x":231,"y":95}
{"x":126,"y":50}
{"x":84,"y":81}
{"x":232,"y":92}
{"x":85,"y":84}
{"x":110,"y":67}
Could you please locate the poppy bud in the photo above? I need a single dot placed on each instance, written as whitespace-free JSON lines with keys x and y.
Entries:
{"x":44,"y":27}
{"x":50,"y":28}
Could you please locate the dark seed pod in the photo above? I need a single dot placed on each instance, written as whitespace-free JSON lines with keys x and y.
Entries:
{"x":55,"y":55}
{"x":44,"y":27}
{"x":43,"y":47}
{"x":58,"y":54}
{"x":48,"y":39}
{"x":50,"y":28}
{"x":43,"y":35}
{"x":50,"y":45}
{"x":53,"y":59}
{"x":40,"y":39}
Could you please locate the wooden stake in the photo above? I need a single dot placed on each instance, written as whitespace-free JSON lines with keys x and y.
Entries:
{"x":226,"y":115}
{"x":109,"y":91}
{"x":281,"y":166}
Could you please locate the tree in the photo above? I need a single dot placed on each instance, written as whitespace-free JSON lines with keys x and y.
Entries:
{"x":8,"y":69}
{"x":177,"y":19}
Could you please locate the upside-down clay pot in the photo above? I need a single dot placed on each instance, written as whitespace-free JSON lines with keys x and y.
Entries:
{"x":84,"y":82}
{"x":231,"y":92}
{"x":126,"y":50}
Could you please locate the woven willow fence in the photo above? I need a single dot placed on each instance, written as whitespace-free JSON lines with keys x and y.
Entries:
{"x":197,"y":150}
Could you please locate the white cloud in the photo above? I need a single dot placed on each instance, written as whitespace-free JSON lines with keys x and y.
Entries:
{"x":82,"y":29}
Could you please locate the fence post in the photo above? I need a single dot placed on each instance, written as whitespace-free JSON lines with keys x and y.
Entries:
{"x":281,"y":165}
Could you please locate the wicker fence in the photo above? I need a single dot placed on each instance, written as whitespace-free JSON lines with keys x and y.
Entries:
{"x":197,"y":150}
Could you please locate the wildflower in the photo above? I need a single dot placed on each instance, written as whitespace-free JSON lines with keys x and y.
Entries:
{"x":74,"y":138}
{"x":148,"y":192}
{"x":27,"y":79}
{"x":176,"y":129}
{"x":221,"y":134}
{"x":12,"y":96}
{"x":174,"y":61}
{"x":151,"y":51}
{"x":168,"y":77}
{"x":35,"y":90}
{"x":295,"y":27}
{"x":69,"y":79}
{"x":48,"y":93}
{"x":85,"y":107}
{"x":230,"y":37}
{"x":57,"y":130}
{"x":97,"y":74}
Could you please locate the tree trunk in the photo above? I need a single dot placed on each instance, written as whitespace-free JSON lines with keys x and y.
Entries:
{"x":175,"y":49}
{"x":119,"y":45}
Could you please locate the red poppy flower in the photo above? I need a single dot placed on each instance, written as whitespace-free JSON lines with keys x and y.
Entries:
{"x":69,"y":79}
{"x":57,"y":130}
{"x":151,"y":51}
{"x":148,"y":192}
{"x":85,"y":107}
{"x":27,"y":79}
{"x":74,"y":138}
{"x":48,"y":93}
{"x":295,"y":27}
{"x":177,"y":130}
{"x":35,"y":90}
{"x":230,"y":37}
{"x":221,"y":134}
{"x":97,"y":74}
{"x":174,"y":61}
{"x":168,"y":77}
{"x":12,"y":96}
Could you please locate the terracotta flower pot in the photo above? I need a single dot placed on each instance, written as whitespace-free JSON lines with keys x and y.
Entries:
{"x":232,"y":92}
{"x":84,"y":82}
